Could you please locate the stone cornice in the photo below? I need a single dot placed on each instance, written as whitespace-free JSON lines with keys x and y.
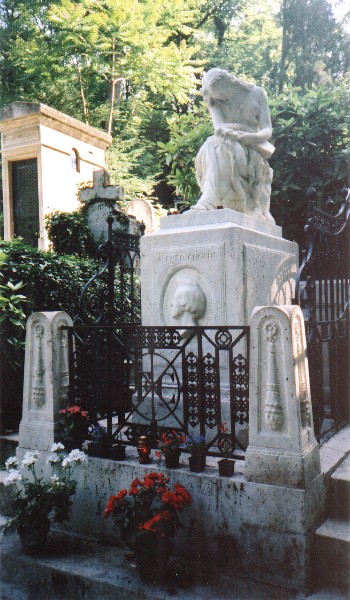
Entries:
{"x":33,"y":112}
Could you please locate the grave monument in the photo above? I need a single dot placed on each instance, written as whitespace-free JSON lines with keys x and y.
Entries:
{"x":212,"y":265}
{"x":236,"y":255}
{"x":102,"y":199}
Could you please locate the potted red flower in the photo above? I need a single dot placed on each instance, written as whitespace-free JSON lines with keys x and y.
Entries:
{"x":170,"y":447}
{"x":72,"y":428}
{"x":147,"y":514}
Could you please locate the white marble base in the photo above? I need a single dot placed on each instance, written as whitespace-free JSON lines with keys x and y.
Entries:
{"x":195,"y":218}
{"x":236,"y":261}
{"x":280,"y":467}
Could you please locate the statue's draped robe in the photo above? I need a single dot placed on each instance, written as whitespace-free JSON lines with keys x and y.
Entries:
{"x":234,"y":176}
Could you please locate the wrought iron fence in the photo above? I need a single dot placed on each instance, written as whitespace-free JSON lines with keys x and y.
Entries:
{"x":323,"y":292}
{"x":146,"y":380}
{"x":117,"y":300}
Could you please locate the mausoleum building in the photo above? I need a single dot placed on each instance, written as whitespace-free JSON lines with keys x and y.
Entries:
{"x":45,"y":156}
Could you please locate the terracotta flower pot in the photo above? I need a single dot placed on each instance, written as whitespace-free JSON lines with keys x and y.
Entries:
{"x":118,"y":452}
{"x":172,"y":459}
{"x":197,"y":463}
{"x":34,"y":537}
{"x":226,"y":467}
{"x":98,"y":449}
{"x":152,"y":554}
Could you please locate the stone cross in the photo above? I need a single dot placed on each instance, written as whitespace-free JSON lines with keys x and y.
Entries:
{"x":101,"y":188}
{"x":104,"y":198}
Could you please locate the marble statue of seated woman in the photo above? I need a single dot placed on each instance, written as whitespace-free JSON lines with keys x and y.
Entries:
{"x":231,"y":167}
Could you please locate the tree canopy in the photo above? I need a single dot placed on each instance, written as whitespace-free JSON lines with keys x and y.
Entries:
{"x":133,"y":68}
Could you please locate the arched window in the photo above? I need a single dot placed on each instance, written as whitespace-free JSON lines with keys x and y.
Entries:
{"x":75,"y":158}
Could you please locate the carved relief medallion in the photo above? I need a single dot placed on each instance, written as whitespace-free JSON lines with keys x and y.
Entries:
{"x":186,"y":299}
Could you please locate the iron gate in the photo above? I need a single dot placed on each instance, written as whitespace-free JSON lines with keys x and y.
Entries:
{"x":112,"y":295}
{"x":323,"y":292}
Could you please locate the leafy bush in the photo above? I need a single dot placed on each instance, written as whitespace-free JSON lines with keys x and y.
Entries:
{"x":69,"y":233}
{"x":12,"y":325}
{"x":187,"y":134}
{"x":50,"y":281}
{"x":45,"y":281}
{"x":312,"y":140}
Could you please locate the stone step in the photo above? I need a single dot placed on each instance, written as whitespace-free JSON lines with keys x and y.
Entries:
{"x":339,"y":503}
{"x":331,"y":557}
{"x":8,"y":445}
{"x":77,"y":568}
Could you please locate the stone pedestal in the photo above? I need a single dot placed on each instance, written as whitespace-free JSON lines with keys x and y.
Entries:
{"x":282,"y":446}
{"x":45,"y":386}
{"x":213,"y":268}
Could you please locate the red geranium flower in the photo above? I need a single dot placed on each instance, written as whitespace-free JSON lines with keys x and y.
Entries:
{"x":150,"y":505}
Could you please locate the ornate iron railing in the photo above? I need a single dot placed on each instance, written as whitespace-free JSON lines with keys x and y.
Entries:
{"x":146,"y":380}
{"x":323,"y":292}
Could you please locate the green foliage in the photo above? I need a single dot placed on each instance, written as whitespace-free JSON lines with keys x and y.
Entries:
{"x":124,"y":163}
{"x":69,"y":233}
{"x":311,"y":135}
{"x":12,"y":323}
{"x":315,"y":47}
{"x":12,"y":326}
{"x":46,"y":282}
{"x":133,"y":69}
{"x":252,"y":46}
{"x":50,"y":281}
{"x":187,"y":134}
{"x":11,"y":304}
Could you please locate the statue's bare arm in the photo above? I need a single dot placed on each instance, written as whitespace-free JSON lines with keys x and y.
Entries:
{"x":229,"y":130}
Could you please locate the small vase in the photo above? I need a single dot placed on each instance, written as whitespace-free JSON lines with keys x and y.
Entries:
{"x":226,"y":467}
{"x":98,"y":449}
{"x":144,"y":450}
{"x":34,"y":537}
{"x":172,"y":459}
{"x":72,"y":444}
{"x":118,"y":452}
{"x":197,"y":463}
{"x":152,"y":553}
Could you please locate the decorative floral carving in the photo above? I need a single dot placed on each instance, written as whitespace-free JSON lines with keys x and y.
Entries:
{"x":271,"y":331}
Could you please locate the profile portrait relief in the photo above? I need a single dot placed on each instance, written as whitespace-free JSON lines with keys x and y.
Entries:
{"x":188,"y":303}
